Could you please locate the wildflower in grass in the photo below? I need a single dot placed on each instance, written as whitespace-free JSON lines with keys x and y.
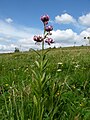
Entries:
{"x":77,"y":66}
{"x":81,"y":104}
{"x":57,"y":94}
{"x":60,"y":63}
{"x":73,"y":86}
{"x":26,"y":70}
{"x":59,"y":70}
{"x":40,"y":75}
{"x":6,"y":85}
{"x":59,"y":66}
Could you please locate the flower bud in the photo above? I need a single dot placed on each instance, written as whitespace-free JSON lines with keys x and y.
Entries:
{"x":45,"y":19}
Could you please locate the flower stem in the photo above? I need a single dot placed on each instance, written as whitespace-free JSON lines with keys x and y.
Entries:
{"x":43,"y":39}
{"x":43,"y":45}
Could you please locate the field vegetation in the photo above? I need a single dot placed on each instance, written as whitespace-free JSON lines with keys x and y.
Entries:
{"x":54,"y":85}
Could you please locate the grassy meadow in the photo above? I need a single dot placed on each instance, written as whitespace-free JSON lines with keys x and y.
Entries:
{"x":55,"y":86}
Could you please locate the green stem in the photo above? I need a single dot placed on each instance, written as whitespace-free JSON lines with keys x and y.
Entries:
{"x":42,"y":45}
{"x":43,"y":39}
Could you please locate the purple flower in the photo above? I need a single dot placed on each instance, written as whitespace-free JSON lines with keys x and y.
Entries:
{"x":48,"y":28}
{"x":45,"y":19}
{"x":37,"y":38}
{"x":47,"y":32}
{"x":49,"y":41}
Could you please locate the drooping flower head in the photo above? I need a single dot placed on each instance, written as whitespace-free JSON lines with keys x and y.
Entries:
{"x":45,"y":19}
{"x":37,"y":38}
{"x":48,"y":28}
{"x":49,"y":41}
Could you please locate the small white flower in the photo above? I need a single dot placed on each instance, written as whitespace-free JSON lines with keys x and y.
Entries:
{"x":60,"y":63}
{"x":59,"y":70}
{"x":77,"y":66}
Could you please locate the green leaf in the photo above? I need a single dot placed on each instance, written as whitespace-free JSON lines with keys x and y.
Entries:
{"x":35,"y":100}
{"x":45,"y":81}
{"x":43,"y":76}
{"x":36,"y":52}
{"x":37,"y":64}
{"x":35,"y":75}
{"x":45,"y":64}
{"x":46,"y":52}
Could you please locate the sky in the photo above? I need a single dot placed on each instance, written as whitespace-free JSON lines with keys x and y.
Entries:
{"x":20,"y":21}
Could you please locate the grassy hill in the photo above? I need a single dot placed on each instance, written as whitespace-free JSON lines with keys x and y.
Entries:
{"x":56,"y":88}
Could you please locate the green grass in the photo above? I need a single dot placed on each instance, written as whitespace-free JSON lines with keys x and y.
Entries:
{"x":65,"y":78}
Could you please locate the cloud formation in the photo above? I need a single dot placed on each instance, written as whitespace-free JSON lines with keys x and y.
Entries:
{"x":64,"y":19}
{"x":8,"y":20}
{"x":85,"y":20}
{"x":67,"y":37}
{"x":13,"y":35}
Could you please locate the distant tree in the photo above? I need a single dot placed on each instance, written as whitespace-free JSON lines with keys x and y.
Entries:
{"x":74,"y":44}
{"x":54,"y":47}
{"x":17,"y":49}
{"x":84,"y":37}
{"x":30,"y":49}
{"x":82,"y":45}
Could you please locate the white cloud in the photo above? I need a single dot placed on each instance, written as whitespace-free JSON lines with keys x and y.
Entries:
{"x":8,"y":20}
{"x":85,"y":20}
{"x":64,"y":34}
{"x":16,"y":35}
{"x":13,"y":30}
{"x":64,"y":19}
{"x":7,"y":48}
{"x":81,"y":23}
{"x":12,"y":35}
{"x":67,"y":37}
{"x":85,"y":33}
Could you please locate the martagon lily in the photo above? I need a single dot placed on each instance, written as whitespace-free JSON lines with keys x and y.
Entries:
{"x":47,"y":31}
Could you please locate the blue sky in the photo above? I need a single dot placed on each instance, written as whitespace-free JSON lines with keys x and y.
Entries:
{"x":20,"y":21}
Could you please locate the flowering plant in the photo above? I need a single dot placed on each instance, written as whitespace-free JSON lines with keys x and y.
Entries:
{"x":47,"y":31}
{"x":40,"y":75}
